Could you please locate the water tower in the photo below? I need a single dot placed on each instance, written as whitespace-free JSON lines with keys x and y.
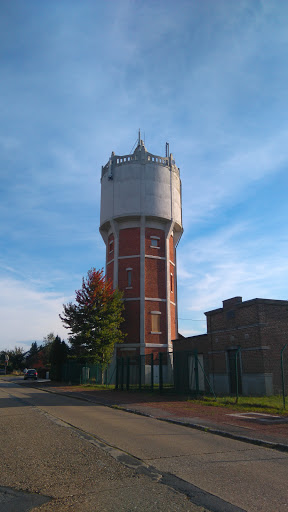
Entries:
{"x":141,"y":225}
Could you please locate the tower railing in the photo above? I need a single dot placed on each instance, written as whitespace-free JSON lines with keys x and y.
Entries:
{"x":143,"y":156}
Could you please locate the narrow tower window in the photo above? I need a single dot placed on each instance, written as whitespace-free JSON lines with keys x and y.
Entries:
{"x":171,"y":283}
{"x":155,"y":322}
{"x":129,"y":277}
{"x":154,"y":241}
{"x":111,"y":246}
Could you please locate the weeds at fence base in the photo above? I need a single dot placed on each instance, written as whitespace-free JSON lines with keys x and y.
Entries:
{"x":167,"y":389}
{"x":97,"y":387}
{"x":265,"y":404}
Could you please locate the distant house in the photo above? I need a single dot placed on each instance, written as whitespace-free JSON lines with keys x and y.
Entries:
{"x":243,"y":341}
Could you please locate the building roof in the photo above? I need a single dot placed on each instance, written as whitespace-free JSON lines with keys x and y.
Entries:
{"x":236,"y":302}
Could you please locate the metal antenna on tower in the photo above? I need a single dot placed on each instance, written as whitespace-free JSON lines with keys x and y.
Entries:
{"x":167,"y":149}
{"x":137,"y":142}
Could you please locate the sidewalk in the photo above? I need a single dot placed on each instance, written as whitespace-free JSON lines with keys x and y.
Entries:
{"x":261,"y":429}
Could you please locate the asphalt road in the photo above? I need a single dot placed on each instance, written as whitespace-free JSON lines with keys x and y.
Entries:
{"x":218,"y":474}
{"x":50,"y":466}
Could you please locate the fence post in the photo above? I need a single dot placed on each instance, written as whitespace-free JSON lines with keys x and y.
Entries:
{"x":127,"y":373}
{"x":117,"y":373}
{"x":140,"y":373}
{"x":237,"y":381}
{"x":196,"y":371}
{"x":160,"y":371}
{"x":152,"y":371}
{"x":282,"y":374}
{"x":122,"y":373}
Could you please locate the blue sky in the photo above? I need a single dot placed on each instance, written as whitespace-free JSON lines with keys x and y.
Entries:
{"x":77,"y":81}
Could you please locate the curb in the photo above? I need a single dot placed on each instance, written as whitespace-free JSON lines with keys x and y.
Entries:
{"x":218,"y":432}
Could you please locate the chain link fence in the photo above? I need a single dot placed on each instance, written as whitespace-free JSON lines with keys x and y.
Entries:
{"x":250,"y":372}
{"x":153,"y":370}
{"x":247,"y":372}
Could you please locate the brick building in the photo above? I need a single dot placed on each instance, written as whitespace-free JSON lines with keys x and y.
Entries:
{"x":249,"y":334}
{"x":141,"y":225}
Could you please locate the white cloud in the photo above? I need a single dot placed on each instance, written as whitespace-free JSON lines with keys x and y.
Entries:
{"x":221,"y":183}
{"x":28,"y":314}
{"x":225,"y":264}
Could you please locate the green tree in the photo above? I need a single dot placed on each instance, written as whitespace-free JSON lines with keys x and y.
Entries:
{"x":94,"y":321}
{"x":2,"y":358}
{"x":46,"y":347}
{"x":16,"y":358}
{"x":57,"y":356}
{"x":32,"y":357}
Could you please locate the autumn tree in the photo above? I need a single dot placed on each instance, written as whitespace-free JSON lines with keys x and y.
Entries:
{"x":94,"y":321}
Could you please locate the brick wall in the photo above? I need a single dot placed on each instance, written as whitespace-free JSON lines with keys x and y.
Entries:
{"x":232,"y":317}
{"x":129,"y":241}
{"x":110,"y":271}
{"x":171,"y":249}
{"x":172,"y":281}
{"x":123,"y":265}
{"x":155,"y":278}
{"x":110,"y":248}
{"x":151,"y":250}
{"x":173,"y":321}
{"x":132,"y":321}
{"x":129,"y":245}
{"x":155,"y":281}
{"x":274,"y":334}
{"x":258,"y":326}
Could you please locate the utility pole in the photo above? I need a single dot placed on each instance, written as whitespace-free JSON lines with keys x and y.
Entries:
{"x":6,"y":362}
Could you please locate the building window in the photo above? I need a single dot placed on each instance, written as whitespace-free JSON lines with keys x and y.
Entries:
{"x":155,"y":322}
{"x":111,"y":246}
{"x":154,"y":241}
{"x":171,"y":283}
{"x":129,"y":277}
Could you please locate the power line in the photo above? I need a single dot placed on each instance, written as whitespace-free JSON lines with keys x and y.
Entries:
{"x":192,"y":319}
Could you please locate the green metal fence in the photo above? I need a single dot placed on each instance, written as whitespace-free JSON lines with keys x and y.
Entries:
{"x":190,"y":373}
{"x":236,"y":371}
{"x":79,"y":373}
{"x":149,"y":371}
{"x":232,"y":372}
{"x":145,"y":372}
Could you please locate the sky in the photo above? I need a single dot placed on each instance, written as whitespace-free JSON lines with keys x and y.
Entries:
{"x":78,"y":79}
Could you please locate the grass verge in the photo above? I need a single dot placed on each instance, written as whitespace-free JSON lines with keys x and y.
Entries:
{"x":263,"y":404}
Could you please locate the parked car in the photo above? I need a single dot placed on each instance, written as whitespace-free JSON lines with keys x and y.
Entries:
{"x":31,"y":374}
